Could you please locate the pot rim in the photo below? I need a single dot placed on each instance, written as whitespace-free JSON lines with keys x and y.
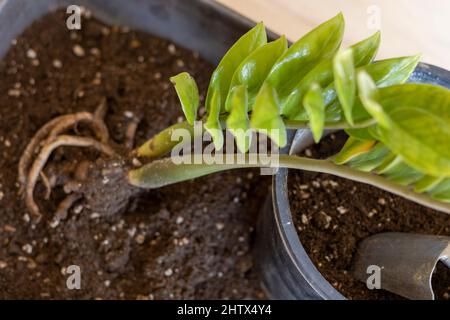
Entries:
{"x":299,"y":140}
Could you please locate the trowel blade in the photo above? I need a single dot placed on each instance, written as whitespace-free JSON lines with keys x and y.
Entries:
{"x":406,"y":262}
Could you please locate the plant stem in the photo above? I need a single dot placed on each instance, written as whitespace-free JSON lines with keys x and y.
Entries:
{"x":165,"y":172}
{"x":161,"y":143}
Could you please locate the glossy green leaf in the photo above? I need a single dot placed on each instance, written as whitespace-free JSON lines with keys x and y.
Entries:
{"x":416,"y":125}
{"x":427,"y":183}
{"x":237,"y":121}
{"x":441,"y":192}
{"x":333,"y":113}
{"x":315,"y":108}
{"x":370,"y":160}
{"x":187,"y":92}
{"x":359,"y":155}
{"x":322,"y":74}
{"x":421,"y":138}
{"x":403,"y":174}
{"x":363,"y":52}
{"x":391,"y":161}
{"x":319,"y":44}
{"x":212,"y":124}
{"x":368,"y":93}
{"x":253,"y":71}
{"x":352,"y":149}
{"x":390,"y":72}
{"x":345,"y":82}
{"x":436,"y":99}
{"x":361,"y":133}
{"x":384,"y":73}
{"x":266,"y":116}
{"x":221,"y":77}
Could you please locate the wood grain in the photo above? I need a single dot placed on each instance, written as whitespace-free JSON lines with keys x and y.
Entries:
{"x":408,"y":26}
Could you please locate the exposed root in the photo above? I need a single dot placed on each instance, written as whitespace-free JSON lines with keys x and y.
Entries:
{"x":41,"y":160}
{"x":57,"y":126}
{"x":68,"y":123}
{"x":59,"y":174}
{"x":81,"y":171}
{"x":80,"y":174}
{"x":47,"y":184}
{"x":130,"y":133}
{"x":99,"y":126}
{"x":42,"y":133}
{"x":65,"y":205}
{"x":78,"y":180}
{"x":102,"y":109}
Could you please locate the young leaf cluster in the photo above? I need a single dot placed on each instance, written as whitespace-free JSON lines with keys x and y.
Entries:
{"x":259,"y":85}
{"x":409,"y":144}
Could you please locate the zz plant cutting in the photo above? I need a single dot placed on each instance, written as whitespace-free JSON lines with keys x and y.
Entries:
{"x":398,"y":133}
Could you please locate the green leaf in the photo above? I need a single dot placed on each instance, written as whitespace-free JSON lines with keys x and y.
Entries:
{"x":403,"y":174}
{"x":416,"y":125}
{"x":221,"y":77}
{"x":390,"y":72}
{"x":421,"y":138}
{"x":345,"y":82}
{"x":352,"y":149}
{"x":391,"y":161}
{"x":427,"y":183}
{"x":187,"y":92}
{"x":266,"y":117}
{"x":441,"y":192}
{"x":425,"y":96}
{"x":384,"y":73}
{"x":319,"y":44}
{"x":212,"y":124}
{"x":368,"y":93}
{"x":322,"y":75}
{"x":370,"y":160}
{"x":366,"y":50}
{"x":315,"y":108}
{"x":360,"y":134}
{"x":253,"y":71}
{"x":363,"y":53}
{"x":237,"y":121}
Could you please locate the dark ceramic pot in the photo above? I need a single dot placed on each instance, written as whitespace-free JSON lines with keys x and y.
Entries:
{"x":287,"y":270}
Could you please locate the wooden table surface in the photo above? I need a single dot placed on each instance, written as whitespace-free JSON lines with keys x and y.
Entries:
{"x":408,"y":26}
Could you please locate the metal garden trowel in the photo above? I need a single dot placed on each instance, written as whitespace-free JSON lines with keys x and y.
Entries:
{"x":405,"y":262}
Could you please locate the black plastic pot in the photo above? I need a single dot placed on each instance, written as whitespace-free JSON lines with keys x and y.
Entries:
{"x":203,"y":26}
{"x":287,"y":270}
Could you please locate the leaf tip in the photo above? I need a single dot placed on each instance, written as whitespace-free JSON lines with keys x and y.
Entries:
{"x":260,"y":27}
{"x":417,"y":57}
{"x":340,"y":16}
{"x":376,"y":37}
{"x":413,"y":60}
{"x":283,"y":38}
{"x":341,"y":20}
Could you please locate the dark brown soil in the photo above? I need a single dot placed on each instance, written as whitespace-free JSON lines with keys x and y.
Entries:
{"x":333,"y":215}
{"x":192,"y":240}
